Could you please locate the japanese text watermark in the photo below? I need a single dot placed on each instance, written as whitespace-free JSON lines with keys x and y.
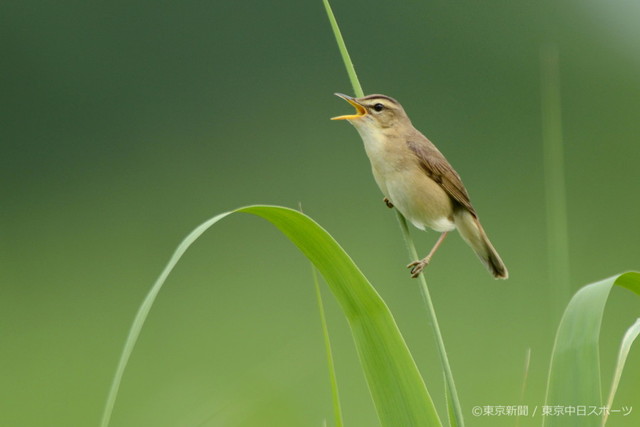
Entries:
{"x":548,"y":411}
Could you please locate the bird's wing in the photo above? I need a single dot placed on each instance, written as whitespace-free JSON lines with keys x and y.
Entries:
{"x":438,"y":168}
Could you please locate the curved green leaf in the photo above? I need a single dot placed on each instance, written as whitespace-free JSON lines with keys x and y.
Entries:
{"x":399,"y":393}
{"x":628,"y":339}
{"x":574,"y":374}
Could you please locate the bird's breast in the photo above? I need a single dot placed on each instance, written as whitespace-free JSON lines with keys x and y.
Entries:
{"x":397,"y":172}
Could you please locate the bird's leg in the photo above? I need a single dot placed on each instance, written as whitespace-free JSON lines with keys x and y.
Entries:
{"x":387,"y":202}
{"x":417,"y":266}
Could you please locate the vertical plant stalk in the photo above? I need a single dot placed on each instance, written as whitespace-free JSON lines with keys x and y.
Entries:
{"x":451,"y":392}
{"x":351,"y":71}
{"x":335,"y":397}
{"x":525,"y":378}
{"x":554,"y":177}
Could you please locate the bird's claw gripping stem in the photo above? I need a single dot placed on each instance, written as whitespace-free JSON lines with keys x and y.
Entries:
{"x":417,"y":266}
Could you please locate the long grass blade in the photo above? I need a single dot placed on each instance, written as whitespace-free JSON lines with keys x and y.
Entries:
{"x":399,"y":392}
{"x":335,"y":396}
{"x":574,"y":374}
{"x":143,"y":312}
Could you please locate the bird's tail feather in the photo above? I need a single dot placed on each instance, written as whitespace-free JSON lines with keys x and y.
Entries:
{"x":473,"y":233}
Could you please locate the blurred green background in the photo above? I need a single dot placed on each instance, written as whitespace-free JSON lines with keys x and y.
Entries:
{"x":126,"y":124}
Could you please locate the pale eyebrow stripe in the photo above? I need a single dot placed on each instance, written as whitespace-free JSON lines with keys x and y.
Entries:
{"x":377,"y":96}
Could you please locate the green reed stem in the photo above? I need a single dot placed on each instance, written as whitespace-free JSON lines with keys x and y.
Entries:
{"x":351,"y":71}
{"x":554,"y":177}
{"x":452,"y":393}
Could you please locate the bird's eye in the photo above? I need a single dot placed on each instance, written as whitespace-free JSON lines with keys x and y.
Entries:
{"x":378,"y":107}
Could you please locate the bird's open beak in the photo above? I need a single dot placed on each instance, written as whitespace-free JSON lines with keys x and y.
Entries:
{"x":360,"y":110}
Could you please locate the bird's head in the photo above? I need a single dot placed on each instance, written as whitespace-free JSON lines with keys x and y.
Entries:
{"x":374,"y":112}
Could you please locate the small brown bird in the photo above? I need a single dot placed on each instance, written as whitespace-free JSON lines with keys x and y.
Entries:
{"x":416,"y":178}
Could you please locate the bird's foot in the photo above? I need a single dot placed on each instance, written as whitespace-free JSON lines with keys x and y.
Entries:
{"x":417,"y":266}
{"x":388,"y":203}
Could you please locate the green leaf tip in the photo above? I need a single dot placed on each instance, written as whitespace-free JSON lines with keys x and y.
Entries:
{"x":574,"y":373}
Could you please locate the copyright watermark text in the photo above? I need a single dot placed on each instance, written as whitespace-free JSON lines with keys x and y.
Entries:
{"x":548,"y":411}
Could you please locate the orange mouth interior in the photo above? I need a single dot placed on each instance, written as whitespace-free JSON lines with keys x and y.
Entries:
{"x":360,"y":110}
